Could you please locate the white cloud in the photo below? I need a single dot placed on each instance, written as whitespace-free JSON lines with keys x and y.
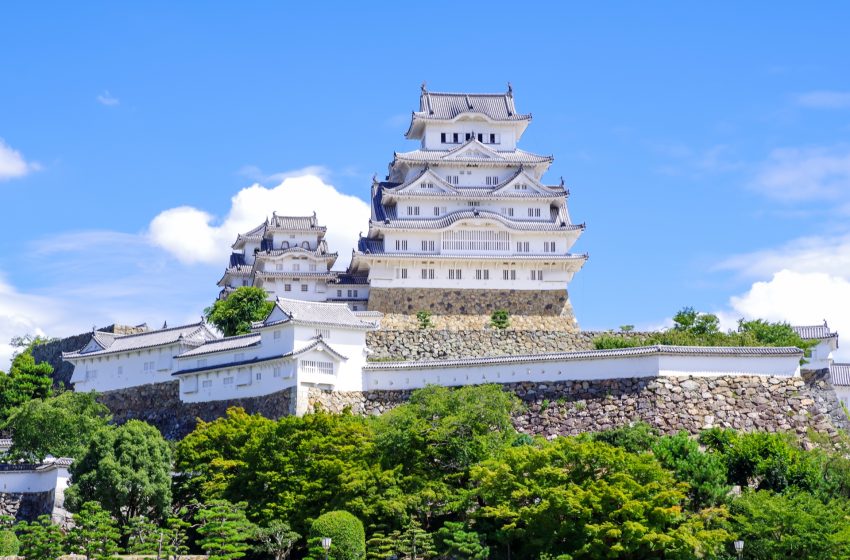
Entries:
{"x":13,"y":164}
{"x":824,"y":99}
{"x":194,"y":236}
{"x":107,"y":99}
{"x":793,"y":174}
{"x":803,"y":282}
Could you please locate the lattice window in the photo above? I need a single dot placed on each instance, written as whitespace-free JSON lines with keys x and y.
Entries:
{"x":315,"y":366}
{"x":476,"y":240}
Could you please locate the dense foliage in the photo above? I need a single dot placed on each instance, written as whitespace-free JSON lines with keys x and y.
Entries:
{"x":234,"y":315}
{"x":62,"y":426}
{"x":26,"y":380}
{"x":693,"y":328}
{"x":446,"y":476}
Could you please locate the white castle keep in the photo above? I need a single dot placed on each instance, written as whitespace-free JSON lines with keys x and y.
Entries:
{"x":462,"y":225}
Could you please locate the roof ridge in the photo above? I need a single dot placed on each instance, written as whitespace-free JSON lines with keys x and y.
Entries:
{"x":198,"y":324}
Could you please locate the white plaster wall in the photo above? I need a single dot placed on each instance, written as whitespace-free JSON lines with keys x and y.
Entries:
{"x":843,"y":394}
{"x":508,"y":133}
{"x":245,"y":382}
{"x":586,"y":369}
{"x":132,"y":373}
{"x":564,"y":240}
{"x":295,"y":239}
{"x":33,"y":481}
{"x":821,"y":356}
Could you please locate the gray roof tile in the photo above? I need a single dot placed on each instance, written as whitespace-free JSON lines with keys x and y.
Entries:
{"x":814,"y":332}
{"x":840,"y":374}
{"x":196,"y":333}
{"x":223,"y":344}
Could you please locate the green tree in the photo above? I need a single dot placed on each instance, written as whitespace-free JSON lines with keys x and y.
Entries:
{"x":95,"y":534}
{"x":424,"y":319}
{"x":61,"y":426}
{"x":636,"y":438}
{"x":456,"y":542}
{"x":500,"y":319}
{"x":141,"y":536}
{"x":276,"y":540}
{"x":794,"y":525}
{"x":25,"y":381}
{"x":41,"y":539}
{"x":9,"y":544}
{"x":590,"y":500}
{"x":128,"y":470}
{"x":705,"y":473}
{"x":774,"y":462}
{"x":695,"y":322}
{"x":348,"y":538}
{"x":234,"y":315}
{"x":415,"y":542}
{"x":224,"y":530}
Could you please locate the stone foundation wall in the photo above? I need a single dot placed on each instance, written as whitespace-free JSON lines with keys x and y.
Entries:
{"x":471,"y":302}
{"x":431,"y":344}
{"x":404,"y":322}
{"x":670,"y":404}
{"x":26,"y":506}
{"x":159,"y":404}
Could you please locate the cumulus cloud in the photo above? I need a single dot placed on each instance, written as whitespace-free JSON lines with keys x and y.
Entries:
{"x":824,"y":99}
{"x":107,"y":99}
{"x":13,"y":164}
{"x":194,"y":236}
{"x":793,"y":174}
{"x":802,"y":282}
{"x":20,"y":314}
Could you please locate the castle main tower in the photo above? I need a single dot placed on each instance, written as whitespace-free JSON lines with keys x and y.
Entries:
{"x":464,"y":224}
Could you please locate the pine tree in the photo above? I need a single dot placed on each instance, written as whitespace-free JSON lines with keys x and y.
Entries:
{"x":95,"y":534}
{"x":40,"y":539}
{"x":224,"y":529}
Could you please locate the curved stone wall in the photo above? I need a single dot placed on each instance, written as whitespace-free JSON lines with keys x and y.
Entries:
{"x":470,"y":302}
{"x":670,"y":404}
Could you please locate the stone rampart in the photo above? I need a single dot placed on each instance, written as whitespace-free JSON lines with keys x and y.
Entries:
{"x":26,"y":506}
{"x":159,"y":404}
{"x":470,"y":302}
{"x":670,"y":404}
{"x":433,"y":344}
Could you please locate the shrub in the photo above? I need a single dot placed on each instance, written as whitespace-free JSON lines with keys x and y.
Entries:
{"x":424,"y":318}
{"x":636,"y":438}
{"x":9,"y":544}
{"x":500,"y":319}
{"x":348,"y":538}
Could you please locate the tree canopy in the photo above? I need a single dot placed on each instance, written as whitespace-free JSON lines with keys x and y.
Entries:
{"x":234,"y":315}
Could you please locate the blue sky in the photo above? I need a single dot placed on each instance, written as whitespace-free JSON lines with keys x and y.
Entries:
{"x":706,"y":146}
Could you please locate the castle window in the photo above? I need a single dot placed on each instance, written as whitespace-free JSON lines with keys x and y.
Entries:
{"x":339,"y":293}
{"x":277,"y":335}
{"x":455,"y":274}
{"x":521,"y":187}
{"x":284,"y":245}
{"x":278,"y":266}
{"x":258,"y":376}
{"x":427,"y":273}
{"x":304,"y":287}
{"x":548,"y":246}
{"x":476,"y":240}
{"x":227,"y":381}
{"x":474,"y":203}
{"x":315,"y":366}
{"x":436,"y":210}
{"x":401,"y":244}
{"x":428,"y":245}
{"x":276,"y":371}
{"x":522,"y":247}
{"x":537,"y":275}
{"x":350,"y":293}
{"x":355,"y":293}
{"x":206,"y":384}
{"x":244,"y":282}
{"x":468,"y":136}
{"x":482,"y":274}
{"x":443,"y":137}
{"x":305,"y":245}
{"x":492,"y":181}
{"x":287,"y":287}
{"x":426,"y":185}
{"x":401,"y":273}
{"x":494,"y":139}
{"x":509,"y":274}
{"x":508,"y":212}
{"x":149,"y":366}
{"x":412,"y":210}
{"x":312,"y":268}
{"x":354,"y":308}
{"x":452,"y":179}
{"x":324,"y":333}
{"x":534,"y":212}
{"x":296,"y":267}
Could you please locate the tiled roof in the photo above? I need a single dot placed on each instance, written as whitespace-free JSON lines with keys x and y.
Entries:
{"x":195,"y":333}
{"x":293,"y":274}
{"x":223,"y":344}
{"x":294,"y":222}
{"x":840,"y":374}
{"x":320,"y":313}
{"x":542,"y":257}
{"x":483,"y":191}
{"x":446,"y":106}
{"x":814,"y":332}
{"x":593,"y":354}
{"x":438,"y":156}
{"x":239,"y":270}
{"x":5,"y":444}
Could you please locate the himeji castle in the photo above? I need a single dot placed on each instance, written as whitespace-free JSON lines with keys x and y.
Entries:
{"x":465,"y":223}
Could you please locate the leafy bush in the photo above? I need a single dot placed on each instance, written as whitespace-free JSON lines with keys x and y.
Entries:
{"x":424,"y":318}
{"x":9,"y":545}
{"x":234,"y":315}
{"x":636,"y":438}
{"x":348,"y":538}
{"x":500,"y":319}
{"x":705,"y":473}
